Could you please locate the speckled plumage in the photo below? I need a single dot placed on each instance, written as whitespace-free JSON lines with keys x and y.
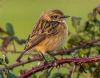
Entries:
{"x":49,"y":33}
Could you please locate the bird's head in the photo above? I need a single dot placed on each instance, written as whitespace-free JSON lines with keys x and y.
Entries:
{"x":54,"y":15}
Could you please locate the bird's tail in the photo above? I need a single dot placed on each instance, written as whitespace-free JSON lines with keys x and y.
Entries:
{"x":26,"y":50}
{"x":21,"y":55}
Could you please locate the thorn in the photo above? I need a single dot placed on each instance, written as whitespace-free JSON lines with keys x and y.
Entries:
{"x":55,"y":63}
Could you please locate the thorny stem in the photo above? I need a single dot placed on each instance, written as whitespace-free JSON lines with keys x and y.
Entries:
{"x":60,"y":52}
{"x":59,"y":62}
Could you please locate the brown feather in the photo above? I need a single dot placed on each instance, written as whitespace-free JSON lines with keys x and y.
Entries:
{"x":49,"y":33}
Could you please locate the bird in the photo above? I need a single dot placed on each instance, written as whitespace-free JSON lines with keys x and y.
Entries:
{"x":49,"y":33}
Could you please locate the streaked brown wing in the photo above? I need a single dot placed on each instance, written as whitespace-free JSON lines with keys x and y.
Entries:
{"x":32,"y":42}
{"x":36,"y":39}
{"x":37,"y":35}
{"x":40,"y":32}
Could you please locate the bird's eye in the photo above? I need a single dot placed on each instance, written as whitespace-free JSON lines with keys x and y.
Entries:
{"x":53,"y":17}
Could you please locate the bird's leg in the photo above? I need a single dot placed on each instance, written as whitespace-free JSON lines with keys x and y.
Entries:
{"x":52,"y":56}
{"x":43,"y":57}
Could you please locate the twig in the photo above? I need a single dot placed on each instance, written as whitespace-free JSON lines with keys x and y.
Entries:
{"x":20,"y":63}
{"x":59,"y":62}
{"x":84,"y":45}
{"x":60,"y":52}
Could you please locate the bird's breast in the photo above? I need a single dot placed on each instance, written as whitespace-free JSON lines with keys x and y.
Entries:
{"x":53,"y":42}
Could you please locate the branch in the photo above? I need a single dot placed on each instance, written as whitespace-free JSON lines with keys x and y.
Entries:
{"x":59,"y":62}
{"x":37,"y":57}
{"x":85,"y":45}
{"x":13,"y":51}
{"x":10,"y":67}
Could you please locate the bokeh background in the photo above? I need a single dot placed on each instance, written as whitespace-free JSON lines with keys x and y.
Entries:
{"x":23,"y":14}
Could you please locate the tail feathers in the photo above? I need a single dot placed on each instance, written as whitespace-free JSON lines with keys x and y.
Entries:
{"x":19,"y":58}
{"x":21,"y":55}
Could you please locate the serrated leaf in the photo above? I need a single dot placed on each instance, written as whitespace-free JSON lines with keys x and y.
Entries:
{"x":10,"y":30}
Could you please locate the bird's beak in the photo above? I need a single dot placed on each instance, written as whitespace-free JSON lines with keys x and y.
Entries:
{"x":64,"y":16}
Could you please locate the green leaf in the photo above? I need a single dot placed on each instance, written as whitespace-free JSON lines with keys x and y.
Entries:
{"x":6,"y":60}
{"x":45,"y":74}
{"x":74,"y":39}
{"x":11,"y":75}
{"x":33,"y":76}
{"x":91,"y":16}
{"x":81,"y":53}
{"x":47,"y":57}
{"x":1,"y":60}
{"x":76,"y":20}
{"x":57,"y":75}
{"x":10,"y":30}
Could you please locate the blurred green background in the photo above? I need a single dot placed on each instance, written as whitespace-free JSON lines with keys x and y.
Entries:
{"x":23,"y":14}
